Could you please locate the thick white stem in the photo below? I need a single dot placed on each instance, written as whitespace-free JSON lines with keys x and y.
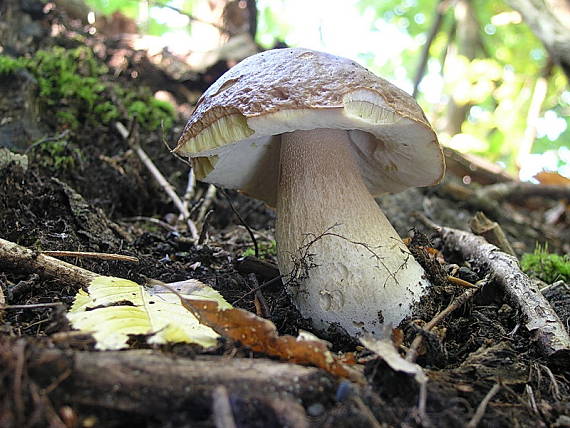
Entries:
{"x":363,"y":276}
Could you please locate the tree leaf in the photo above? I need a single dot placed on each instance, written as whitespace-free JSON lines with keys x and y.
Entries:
{"x":114,"y":308}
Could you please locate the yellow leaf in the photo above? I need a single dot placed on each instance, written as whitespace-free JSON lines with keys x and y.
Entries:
{"x":119,"y":308}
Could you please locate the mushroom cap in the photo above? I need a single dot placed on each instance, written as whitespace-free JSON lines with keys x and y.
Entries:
{"x":233,"y":135}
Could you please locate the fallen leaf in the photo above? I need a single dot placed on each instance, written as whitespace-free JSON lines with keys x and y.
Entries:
{"x":552,"y":178}
{"x":261,"y":335}
{"x":112,"y":309}
{"x":385,"y":349}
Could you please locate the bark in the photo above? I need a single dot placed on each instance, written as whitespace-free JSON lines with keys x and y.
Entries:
{"x":145,"y":383}
{"x":550,"y":21}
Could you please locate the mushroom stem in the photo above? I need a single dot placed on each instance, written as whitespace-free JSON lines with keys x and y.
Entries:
{"x":360,"y":274}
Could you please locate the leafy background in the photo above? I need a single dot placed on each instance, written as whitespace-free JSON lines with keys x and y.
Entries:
{"x":493,"y":77}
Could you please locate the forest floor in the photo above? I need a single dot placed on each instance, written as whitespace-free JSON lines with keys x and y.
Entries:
{"x":81,"y":186}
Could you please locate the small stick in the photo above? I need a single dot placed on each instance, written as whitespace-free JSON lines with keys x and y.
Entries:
{"x":32,"y":306}
{"x":19,"y":257}
{"x":460,"y":282}
{"x":482,"y":407}
{"x":412,"y":353}
{"x":206,"y":203}
{"x":204,"y":232}
{"x":90,"y":255}
{"x":236,"y":212}
{"x":161,"y":223}
{"x":157,"y":175}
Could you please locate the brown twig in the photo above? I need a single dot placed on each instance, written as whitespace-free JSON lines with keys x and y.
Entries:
{"x":85,"y":254}
{"x":460,"y":282}
{"x":242,"y":221}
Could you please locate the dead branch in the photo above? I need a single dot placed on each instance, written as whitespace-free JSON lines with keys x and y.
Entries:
{"x":22,"y":258}
{"x":147,"y":383}
{"x":541,"y":319}
{"x":518,"y":192}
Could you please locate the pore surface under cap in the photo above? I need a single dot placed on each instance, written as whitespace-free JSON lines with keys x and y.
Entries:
{"x":233,"y":135}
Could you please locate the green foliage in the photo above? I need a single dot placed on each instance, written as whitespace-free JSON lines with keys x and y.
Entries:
{"x":545,"y":266}
{"x":266,"y":249}
{"x":72,"y":88}
{"x":59,"y":155}
{"x":9,"y":65}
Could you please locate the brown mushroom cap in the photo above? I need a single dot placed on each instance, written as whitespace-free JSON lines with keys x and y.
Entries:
{"x":231,"y":135}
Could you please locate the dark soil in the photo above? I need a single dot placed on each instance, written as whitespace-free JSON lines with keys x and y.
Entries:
{"x":103,"y":202}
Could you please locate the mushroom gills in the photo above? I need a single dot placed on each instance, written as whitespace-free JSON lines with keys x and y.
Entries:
{"x":347,"y":264}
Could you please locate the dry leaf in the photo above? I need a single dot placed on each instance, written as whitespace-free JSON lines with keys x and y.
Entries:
{"x":385,"y":350}
{"x":261,"y":335}
{"x":552,"y":178}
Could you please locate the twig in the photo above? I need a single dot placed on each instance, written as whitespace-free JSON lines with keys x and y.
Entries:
{"x":85,"y":254}
{"x":157,"y":175}
{"x":242,"y":221}
{"x":460,"y":282}
{"x":412,"y":353}
{"x":192,"y":17}
{"x":189,"y":193}
{"x":482,"y":407}
{"x":161,"y":223}
{"x":33,"y":306}
{"x":222,"y":408}
{"x":540,"y":318}
{"x":205,"y":224}
{"x":206,"y":203}
{"x":19,"y":257}
{"x":47,"y":139}
{"x":254,"y":290}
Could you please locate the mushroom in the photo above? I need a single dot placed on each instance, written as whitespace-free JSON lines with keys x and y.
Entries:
{"x":318,"y":136}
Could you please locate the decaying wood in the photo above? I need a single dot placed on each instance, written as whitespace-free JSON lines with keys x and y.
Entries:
{"x":540,"y":318}
{"x":27,"y":260}
{"x":518,"y":192}
{"x":491,"y":231}
{"x":147,"y":383}
{"x":478,"y":169}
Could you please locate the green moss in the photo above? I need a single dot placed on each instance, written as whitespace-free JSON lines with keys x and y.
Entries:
{"x":59,"y":155}
{"x":74,"y":93}
{"x":545,"y":266}
{"x":266,"y":249}
{"x":10,"y":65}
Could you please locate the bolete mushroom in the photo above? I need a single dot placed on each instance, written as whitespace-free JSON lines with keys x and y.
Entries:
{"x":318,"y":136}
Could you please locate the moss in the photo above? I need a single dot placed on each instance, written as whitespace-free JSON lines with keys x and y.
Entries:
{"x":10,"y":65}
{"x":59,"y":155}
{"x":545,"y":266}
{"x":266,"y":249}
{"x":73,"y":92}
